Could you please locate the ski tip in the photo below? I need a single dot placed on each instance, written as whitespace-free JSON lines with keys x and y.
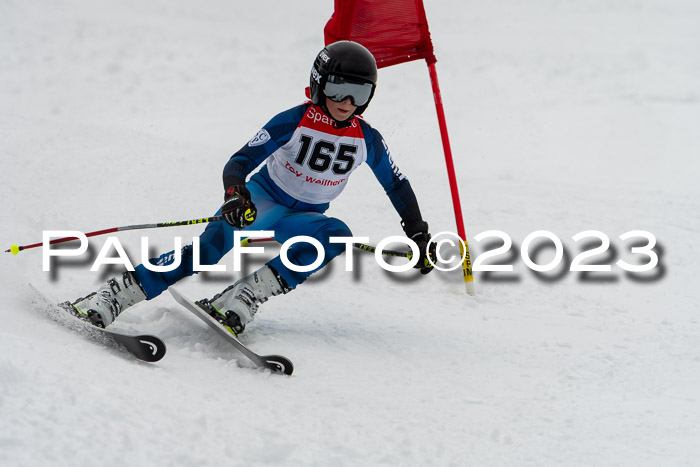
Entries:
{"x":153,"y":347}
{"x":279,"y":364}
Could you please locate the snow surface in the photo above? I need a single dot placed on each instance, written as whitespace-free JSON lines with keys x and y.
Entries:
{"x":565,"y":115}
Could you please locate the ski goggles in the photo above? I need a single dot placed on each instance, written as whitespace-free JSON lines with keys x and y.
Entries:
{"x":338,"y":89}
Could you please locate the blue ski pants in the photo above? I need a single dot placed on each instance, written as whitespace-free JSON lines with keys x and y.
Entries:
{"x":286,"y":222}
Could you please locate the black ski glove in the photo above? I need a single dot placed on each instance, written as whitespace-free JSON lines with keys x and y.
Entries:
{"x":418,"y":232}
{"x":238,"y":210}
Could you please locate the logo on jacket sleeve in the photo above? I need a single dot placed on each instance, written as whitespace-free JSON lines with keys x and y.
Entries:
{"x":394,"y":167}
{"x":261,"y":137}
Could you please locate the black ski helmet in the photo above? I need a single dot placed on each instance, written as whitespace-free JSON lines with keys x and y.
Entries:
{"x":346,"y":59}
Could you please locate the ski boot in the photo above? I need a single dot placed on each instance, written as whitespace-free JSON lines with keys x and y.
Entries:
{"x":102,"y":307}
{"x":236,"y":306}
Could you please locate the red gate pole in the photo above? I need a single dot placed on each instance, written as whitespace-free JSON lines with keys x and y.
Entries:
{"x":464,"y":246}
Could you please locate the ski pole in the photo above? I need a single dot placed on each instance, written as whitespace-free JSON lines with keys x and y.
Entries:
{"x":360,"y":246}
{"x":372,"y":249}
{"x":16,"y":249}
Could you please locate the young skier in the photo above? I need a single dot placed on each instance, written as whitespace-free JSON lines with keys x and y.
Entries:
{"x":309,"y":152}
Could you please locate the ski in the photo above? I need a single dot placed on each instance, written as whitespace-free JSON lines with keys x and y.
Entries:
{"x":144,"y":347}
{"x":275,"y":363}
